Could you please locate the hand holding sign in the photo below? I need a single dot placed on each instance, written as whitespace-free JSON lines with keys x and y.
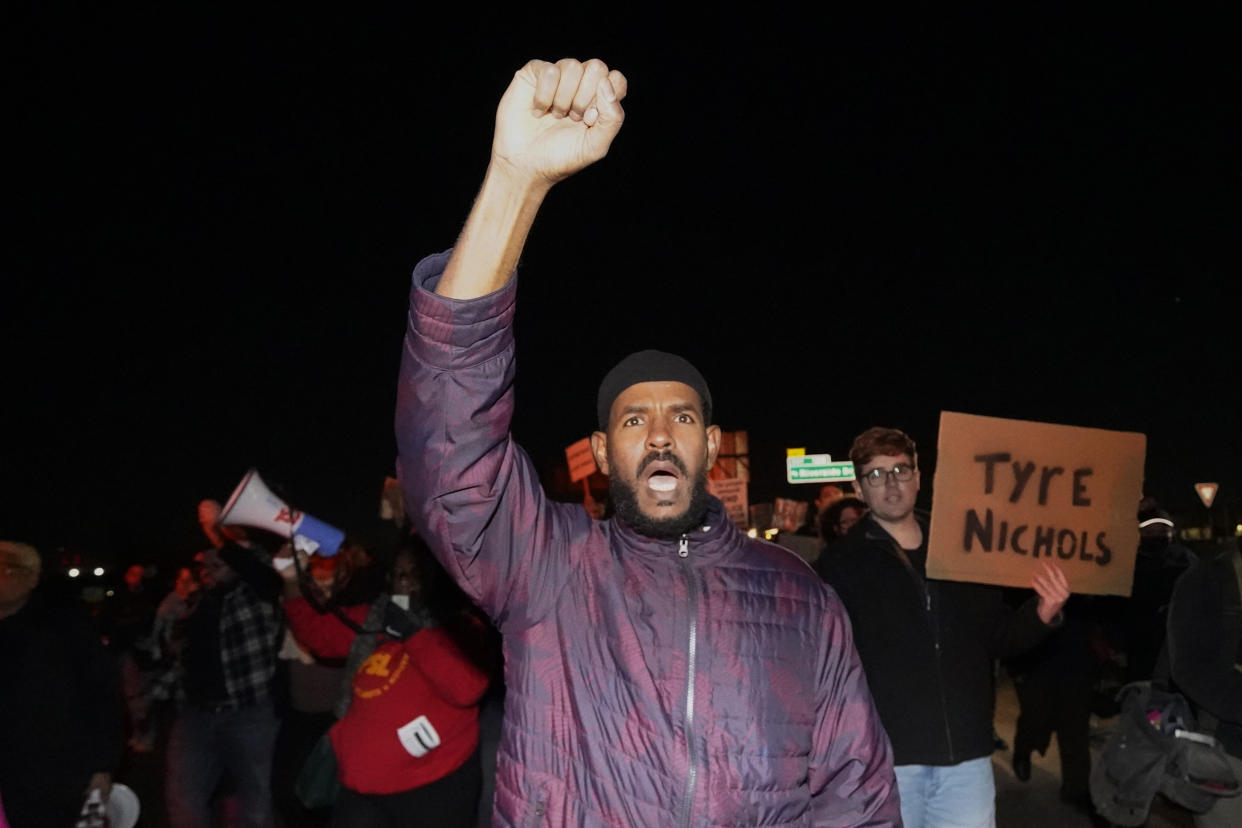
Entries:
{"x":1052,"y":587}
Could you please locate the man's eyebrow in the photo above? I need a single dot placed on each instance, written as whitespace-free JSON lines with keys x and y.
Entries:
{"x":634,"y":408}
{"x":676,"y":408}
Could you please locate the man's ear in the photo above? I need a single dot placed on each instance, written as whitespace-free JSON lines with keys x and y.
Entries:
{"x":599,"y":448}
{"x":713,"y":445}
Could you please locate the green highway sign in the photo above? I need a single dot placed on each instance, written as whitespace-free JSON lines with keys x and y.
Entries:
{"x":817,"y":468}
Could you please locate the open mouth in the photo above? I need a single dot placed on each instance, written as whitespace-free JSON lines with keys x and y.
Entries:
{"x":663,"y":475}
{"x":662,"y":482}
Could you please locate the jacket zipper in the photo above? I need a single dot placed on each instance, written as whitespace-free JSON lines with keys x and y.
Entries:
{"x":536,"y":814}
{"x":944,"y":704}
{"x":932,"y":624}
{"x":687,"y":800}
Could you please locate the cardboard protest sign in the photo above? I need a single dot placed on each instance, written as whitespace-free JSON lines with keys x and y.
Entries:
{"x":732,"y":493}
{"x":580,"y":460}
{"x":1010,"y":493}
{"x":733,"y":458}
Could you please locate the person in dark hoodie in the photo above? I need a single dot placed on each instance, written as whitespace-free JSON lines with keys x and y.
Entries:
{"x":62,"y":730}
{"x":929,"y":646}
{"x":1158,"y":564}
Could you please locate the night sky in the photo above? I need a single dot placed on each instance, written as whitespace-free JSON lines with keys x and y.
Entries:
{"x":843,"y":223}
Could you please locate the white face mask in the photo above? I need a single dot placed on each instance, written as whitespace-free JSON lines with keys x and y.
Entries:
{"x":402,"y":601}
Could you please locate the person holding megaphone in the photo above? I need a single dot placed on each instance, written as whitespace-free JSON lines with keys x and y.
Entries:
{"x":226,"y":719}
{"x":407,"y":737}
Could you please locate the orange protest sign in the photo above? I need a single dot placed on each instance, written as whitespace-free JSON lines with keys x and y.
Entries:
{"x":1010,"y":493}
{"x":580,"y":460}
{"x":732,"y":493}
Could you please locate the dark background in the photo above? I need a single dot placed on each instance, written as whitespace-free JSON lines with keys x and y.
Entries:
{"x":843,"y":222}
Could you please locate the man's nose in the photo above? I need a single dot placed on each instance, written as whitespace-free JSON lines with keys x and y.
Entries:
{"x":658,"y":434}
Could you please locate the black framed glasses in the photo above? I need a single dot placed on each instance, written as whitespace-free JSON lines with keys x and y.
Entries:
{"x":901,"y":472}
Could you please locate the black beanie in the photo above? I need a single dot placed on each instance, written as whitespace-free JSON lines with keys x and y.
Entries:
{"x":649,"y":366}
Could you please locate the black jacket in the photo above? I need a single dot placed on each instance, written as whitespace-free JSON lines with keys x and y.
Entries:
{"x":928,"y":646}
{"x":1205,"y":644}
{"x":63,"y":712}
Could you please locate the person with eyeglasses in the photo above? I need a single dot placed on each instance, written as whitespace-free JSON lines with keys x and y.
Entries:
{"x":62,"y":732}
{"x":929,"y":646}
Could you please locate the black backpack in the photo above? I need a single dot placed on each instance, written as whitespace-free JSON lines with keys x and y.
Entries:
{"x":1156,"y":748}
{"x":1159,"y":747}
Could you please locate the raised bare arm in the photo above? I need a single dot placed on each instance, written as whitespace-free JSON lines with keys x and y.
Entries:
{"x":554,"y":120}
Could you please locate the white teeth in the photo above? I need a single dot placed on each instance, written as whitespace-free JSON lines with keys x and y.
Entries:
{"x":662,"y":482}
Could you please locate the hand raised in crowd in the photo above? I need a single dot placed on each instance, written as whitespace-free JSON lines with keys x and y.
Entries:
{"x":1053,"y":590}
{"x":283,"y":562}
{"x":557,"y":118}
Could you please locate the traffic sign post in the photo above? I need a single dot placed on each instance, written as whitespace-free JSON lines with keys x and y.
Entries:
{"x":817,"y":468}
{"x":1207,"y":493}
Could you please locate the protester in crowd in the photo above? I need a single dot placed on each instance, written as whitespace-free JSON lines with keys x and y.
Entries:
{"x":1054,"y":681}
{"x":173,"y":609}
{"x":1205,"y":660}
{"x":491,"y":706}
{"x":357,"y":577}
{"x":126,"y":621}
{"x":929,"y":646}
{"x":1158,"y":563}
{"x":838,"y":518}
{"x":407,"y":739}
{"x":662,"y":667}
{"x":226,"y":719}
{"x":828,"y":494}
{"x":127,"y":615}
{"x":168,"y":642}
{"x":63,"y":718}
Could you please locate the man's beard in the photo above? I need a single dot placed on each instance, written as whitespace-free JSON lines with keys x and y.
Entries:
{"x":625,"y":502}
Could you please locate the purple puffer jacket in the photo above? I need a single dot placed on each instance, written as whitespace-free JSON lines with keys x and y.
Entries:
{"x":707,"y":681}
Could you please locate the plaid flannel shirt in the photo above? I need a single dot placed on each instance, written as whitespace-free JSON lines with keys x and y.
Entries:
{"x":250,"y":631}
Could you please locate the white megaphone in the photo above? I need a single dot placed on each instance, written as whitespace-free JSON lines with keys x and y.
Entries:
{"x":253,"y":504}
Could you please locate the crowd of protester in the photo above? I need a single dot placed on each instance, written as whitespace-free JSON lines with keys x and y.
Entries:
{"x":230,"y":674}
{"x":284,"y":689}
{"x":141,"y":674}
{"x":206,"y":689}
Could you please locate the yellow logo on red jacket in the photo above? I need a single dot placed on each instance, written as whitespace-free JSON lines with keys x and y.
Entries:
{"x":380,"y":672}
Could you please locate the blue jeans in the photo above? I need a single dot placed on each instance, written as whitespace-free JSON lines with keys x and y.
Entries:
{"x":203,"y":746}
{"x":948,"y":796}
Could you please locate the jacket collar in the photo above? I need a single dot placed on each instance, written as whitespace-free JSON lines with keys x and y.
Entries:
{"x":874,"y":531}
{"x":715,"y":538}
